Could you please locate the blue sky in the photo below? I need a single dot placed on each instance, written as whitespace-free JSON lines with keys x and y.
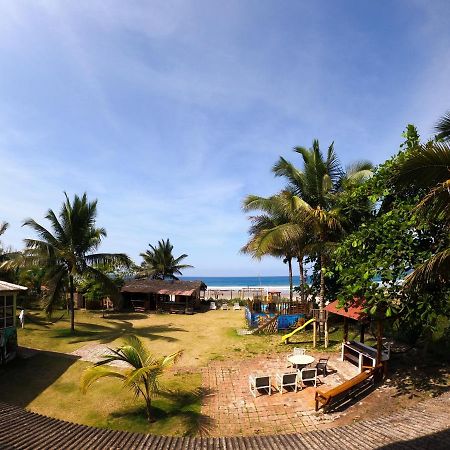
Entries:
{"x":170,"y":112}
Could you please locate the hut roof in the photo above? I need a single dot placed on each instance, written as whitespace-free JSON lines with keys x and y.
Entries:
{"x":355,"y":311}
{"x":9,"y":287}
{"x":167,"y":287}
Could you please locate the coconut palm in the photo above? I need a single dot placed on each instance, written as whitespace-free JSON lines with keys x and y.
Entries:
{"x":141,"y":374}
{"x":316,"y":190}
{"x":443,"y":127}
{"x":3,"y":227}
{"x":276,"y":232}
{"x":67,"y":250}
{"x":159,"y":262}
{"x":428,"y":166}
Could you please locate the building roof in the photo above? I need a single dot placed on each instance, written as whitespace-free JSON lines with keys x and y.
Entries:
{"x":424,"y":425}
{"x":167,"y":287}
{"x":355,"y":311}
{"x":9,"y":287}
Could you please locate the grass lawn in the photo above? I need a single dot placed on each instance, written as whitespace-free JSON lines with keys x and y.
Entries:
{"x":48,"y":382}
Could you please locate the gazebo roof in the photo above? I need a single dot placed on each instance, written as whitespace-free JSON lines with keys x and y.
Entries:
{"x":9,"y":287}
{"x":355,"y":311}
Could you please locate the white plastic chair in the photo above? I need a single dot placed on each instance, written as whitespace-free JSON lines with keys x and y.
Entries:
{"x":212,"y":305}
{"x":307,"y":374}
{"x":287,"y":379}
{"x":236,"y":306}
{"x":257,"y":382}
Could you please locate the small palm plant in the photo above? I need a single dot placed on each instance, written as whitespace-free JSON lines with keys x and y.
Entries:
{"x":141,"y":373}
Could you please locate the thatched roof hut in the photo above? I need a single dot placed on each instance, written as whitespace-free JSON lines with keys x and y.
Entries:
{"x":172,"y":295}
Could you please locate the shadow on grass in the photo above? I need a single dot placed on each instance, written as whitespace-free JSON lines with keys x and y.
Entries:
{"x":178,"y":406}
{"x":415,"y":374}
{"x":22,"y":380}
{"x":85,"y":332}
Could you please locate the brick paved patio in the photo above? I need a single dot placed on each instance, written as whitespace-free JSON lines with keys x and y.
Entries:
{"x":235,"y":411}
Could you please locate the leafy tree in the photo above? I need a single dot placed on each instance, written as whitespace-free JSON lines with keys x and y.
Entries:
{"x":159,"y":262}
{"x":141,"y":375}
{"x":372,"y":261}
{"x":428,"y":167}
{"x":66,"y":251}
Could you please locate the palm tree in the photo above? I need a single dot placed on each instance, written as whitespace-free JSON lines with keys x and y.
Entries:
{"x":316,"y":190}
{"x":428,"y":165}
{"x":141,"y":374}
{"x":443,"y":127}
{"x":276,"y":232}
{"x":3,"y":227}
{"x":65,"y":251}
{"x":159,"y":262}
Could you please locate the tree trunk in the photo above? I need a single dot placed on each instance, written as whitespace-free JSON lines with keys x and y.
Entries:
{"x":302,"y":278}
{"x":291,"y":287}
{"x":71,"y":304}
{"x":322,"y":283}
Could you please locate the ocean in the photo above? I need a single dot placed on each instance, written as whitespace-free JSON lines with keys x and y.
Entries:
{"x":212,"y":282}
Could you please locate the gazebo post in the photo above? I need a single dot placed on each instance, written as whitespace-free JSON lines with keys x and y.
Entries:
{"x":345,"y":329}
{"x":314,"y":333}
{"x":361,"y":334}
{"x":379,"y":340}
{"x":326,"y":333}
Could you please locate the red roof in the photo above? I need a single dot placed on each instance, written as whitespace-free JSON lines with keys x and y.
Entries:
{"x":355,"y":311}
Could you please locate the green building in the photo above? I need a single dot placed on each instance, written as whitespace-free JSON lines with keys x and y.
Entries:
{"x":8,"y":330}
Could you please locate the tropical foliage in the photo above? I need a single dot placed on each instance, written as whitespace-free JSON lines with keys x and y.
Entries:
{"x":308,"y":217}
{"x":159,"y":262}
{"x":66,"y":251}
{"x":141,"y":374}
{"x":406,"y":235}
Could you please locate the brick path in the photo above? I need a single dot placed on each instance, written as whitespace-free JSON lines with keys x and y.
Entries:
{"x":234,"y":410}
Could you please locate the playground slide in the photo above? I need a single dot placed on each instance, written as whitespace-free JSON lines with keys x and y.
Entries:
{"x":285,"y":338}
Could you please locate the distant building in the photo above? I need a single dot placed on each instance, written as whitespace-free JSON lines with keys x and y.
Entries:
{"x":163,"y":295}
{"x":8,"y":330}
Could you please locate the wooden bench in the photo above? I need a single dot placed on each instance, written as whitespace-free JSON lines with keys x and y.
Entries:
{"x":346,"y":389}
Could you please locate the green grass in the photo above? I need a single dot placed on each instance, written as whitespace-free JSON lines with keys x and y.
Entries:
{"x":49,"y":384}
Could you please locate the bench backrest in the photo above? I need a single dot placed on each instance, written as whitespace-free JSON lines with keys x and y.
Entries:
{"x":346,"y":385}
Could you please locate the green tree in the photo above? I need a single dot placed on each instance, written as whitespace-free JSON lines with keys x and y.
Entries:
{"x":159,"y":262}
{"x":66,"y":251}
{"x":142,"y":374}
{"x":428,"y":168}
{"x":373,"y":261}
{"x":276,"y":232}
{"x":443,"y":127}
{"x":318,"y":189}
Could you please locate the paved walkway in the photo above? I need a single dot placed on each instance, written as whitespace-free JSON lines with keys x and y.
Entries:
{"x":234,"y":410}
{"x":424,"y":426}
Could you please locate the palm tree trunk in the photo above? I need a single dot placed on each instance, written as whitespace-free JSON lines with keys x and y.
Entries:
{"x":291,"y":287}
{"x":302,"y":278}
{"x":71,"y":304}
{"x":322,"y":284}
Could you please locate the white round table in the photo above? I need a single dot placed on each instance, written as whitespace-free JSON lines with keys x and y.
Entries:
{"x":300,"y":360}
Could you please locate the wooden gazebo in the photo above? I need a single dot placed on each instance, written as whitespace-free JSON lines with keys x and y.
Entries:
{"x":359,"y":353}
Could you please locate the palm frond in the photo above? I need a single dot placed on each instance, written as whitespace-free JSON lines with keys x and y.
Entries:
{"x":435,"y":269}
{"x":94,"y":373}
{"x":443,"y":127}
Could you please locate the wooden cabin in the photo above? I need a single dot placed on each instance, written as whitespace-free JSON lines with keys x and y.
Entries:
{"x":8,"y":330}
{"x":163,"y":295}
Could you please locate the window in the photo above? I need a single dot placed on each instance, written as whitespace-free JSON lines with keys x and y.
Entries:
{"x":6,"y":311}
